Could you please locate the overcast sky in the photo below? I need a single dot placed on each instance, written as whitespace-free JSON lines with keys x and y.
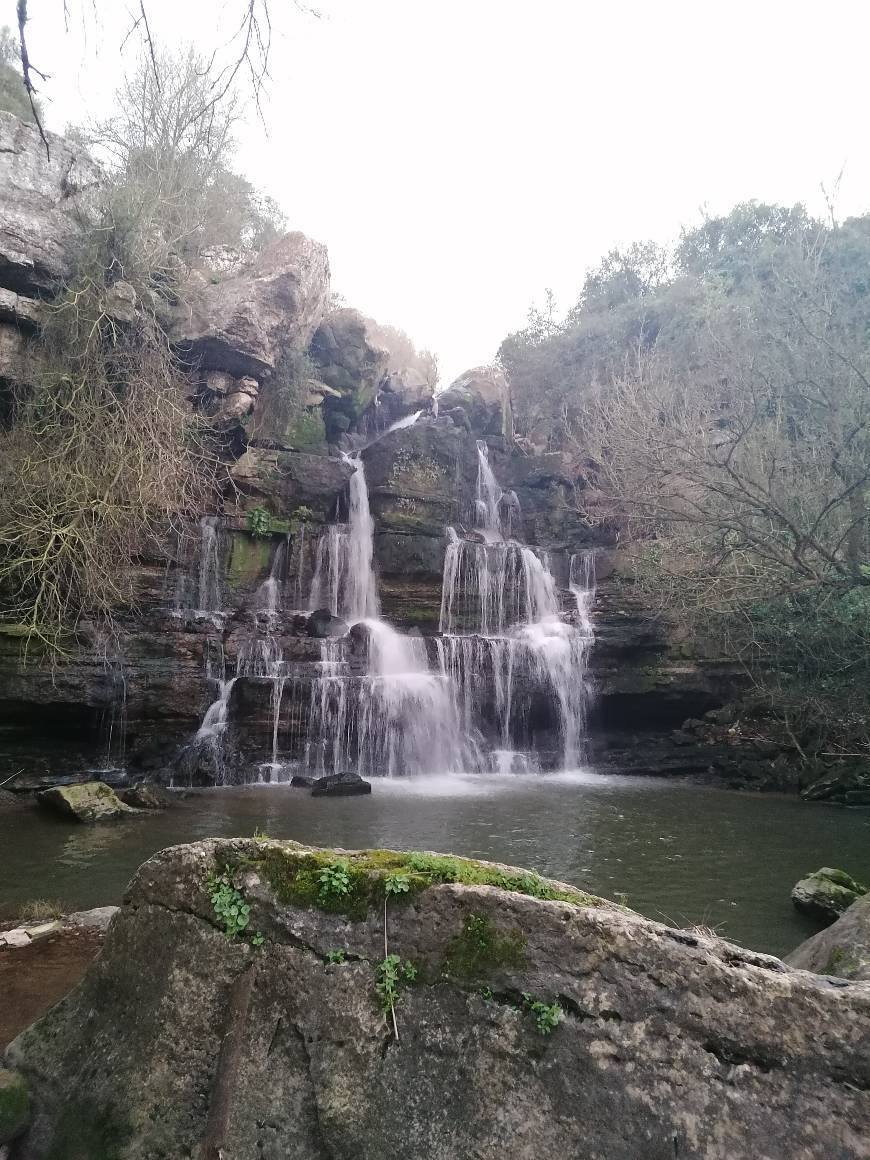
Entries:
{"x":459,"y":156}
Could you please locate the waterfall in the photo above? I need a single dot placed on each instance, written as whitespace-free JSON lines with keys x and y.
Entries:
{"x":214,"y":723}
{"x":399,"y":717}
{"x":344,"y":581}
{"x":209,"y":585}
{"x":501,"y":621}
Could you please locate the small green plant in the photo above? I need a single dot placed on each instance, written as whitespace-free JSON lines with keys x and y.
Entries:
{"x":257,"y":939}
{"x":260,"y":522}
{"x":547,"y":1016}
{"x":228,"y":903}
{"x":260,"y":835}
{"x":301,"y":515}
{"x":334,"y":880}
{"x":336,"y":956}
{"x":397,"y":883}
{"x":392,"y":975}
{"x":485,"y":992}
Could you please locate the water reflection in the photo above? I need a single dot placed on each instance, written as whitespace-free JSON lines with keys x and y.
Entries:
{"x":680,"y":853}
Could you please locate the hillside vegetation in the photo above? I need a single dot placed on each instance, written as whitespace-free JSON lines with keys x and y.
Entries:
{"x":716,"y":398}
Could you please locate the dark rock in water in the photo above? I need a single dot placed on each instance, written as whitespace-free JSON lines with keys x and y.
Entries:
{"x":843,"y":949}
{"x":302,"y":781}
{"x":641,"y":1041}
{"x":145,"y":795}
{"x":322,"y":624}
{"x":14,"y":1105}
{"x":360,"y":637}
{"x":92,"y":801}
{"x":826,"y":894}
{"x":340,"y":785}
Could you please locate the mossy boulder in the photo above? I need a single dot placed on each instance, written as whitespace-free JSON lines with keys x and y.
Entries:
{"x":14,"y":1105}
{"x":843,"y":949}
{"x":91,"y":801}
{"x":826,"y":894}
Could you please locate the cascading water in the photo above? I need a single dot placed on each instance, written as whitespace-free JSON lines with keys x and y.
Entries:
{"x":500,"y":617}
{"x":344,"y":581}
{"x":399,"y":717}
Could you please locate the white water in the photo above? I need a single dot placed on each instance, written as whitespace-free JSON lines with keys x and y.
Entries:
{"x":500,"y":621}
{"x":344,"y":581}
{"x":502,"y":641}
{"x":506,"y":675}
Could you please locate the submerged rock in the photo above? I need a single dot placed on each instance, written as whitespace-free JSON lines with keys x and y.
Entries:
{"x":14,"y":1105}
{"x":826,"y":894}
{"x":92,"y":801}
{"x":345,"y":784}
{"x":540,"y":1022}
{"x":843,"y":949}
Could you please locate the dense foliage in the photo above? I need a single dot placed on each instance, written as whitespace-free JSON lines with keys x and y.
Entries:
{"x":718,"y":396}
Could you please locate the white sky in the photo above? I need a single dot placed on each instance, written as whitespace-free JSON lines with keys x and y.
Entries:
{"x":458,"y":156}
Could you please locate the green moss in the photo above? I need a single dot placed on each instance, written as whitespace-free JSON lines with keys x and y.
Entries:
{"x":842,"y":962}
{"x":293,"y":874}
{"x":249,"y":558}
{"x":481,"y":949}
{"x":86,"y":1132}
{"x":305,"y":429}
{"x":14,"y":1105}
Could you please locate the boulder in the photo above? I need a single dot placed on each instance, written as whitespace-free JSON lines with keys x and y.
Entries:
{"x":322,"y":624}
{"x":145,"y":795}
{"x":346,"y":784}
{"x":14,"y":1105}
{"x":43,"y":205}
{"x":547,"y":1025}
{"x":373,"y":373}
{"x":98,"y":918}
{"x":244,"y":323}
{"x":843,"y":949}
{"x":826,"y":894}
{"x":91,"y":801}
{"x":479,"y":401}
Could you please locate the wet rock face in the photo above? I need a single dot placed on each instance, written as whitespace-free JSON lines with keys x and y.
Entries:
{"x":43,"y":205}
{"x":372,"y":373}
{"x":670,"y":1043}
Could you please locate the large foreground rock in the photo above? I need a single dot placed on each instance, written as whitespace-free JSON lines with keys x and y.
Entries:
{"x":843,"y":949}
{"x":182,"y":1042}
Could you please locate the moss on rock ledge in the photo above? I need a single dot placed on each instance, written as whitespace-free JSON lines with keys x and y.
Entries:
{"x":293,"y":872}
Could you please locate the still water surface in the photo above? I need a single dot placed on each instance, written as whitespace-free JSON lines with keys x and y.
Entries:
{"x":682,"y":853}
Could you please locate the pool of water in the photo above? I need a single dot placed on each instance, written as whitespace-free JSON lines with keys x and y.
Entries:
{"x":681,"y":853}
